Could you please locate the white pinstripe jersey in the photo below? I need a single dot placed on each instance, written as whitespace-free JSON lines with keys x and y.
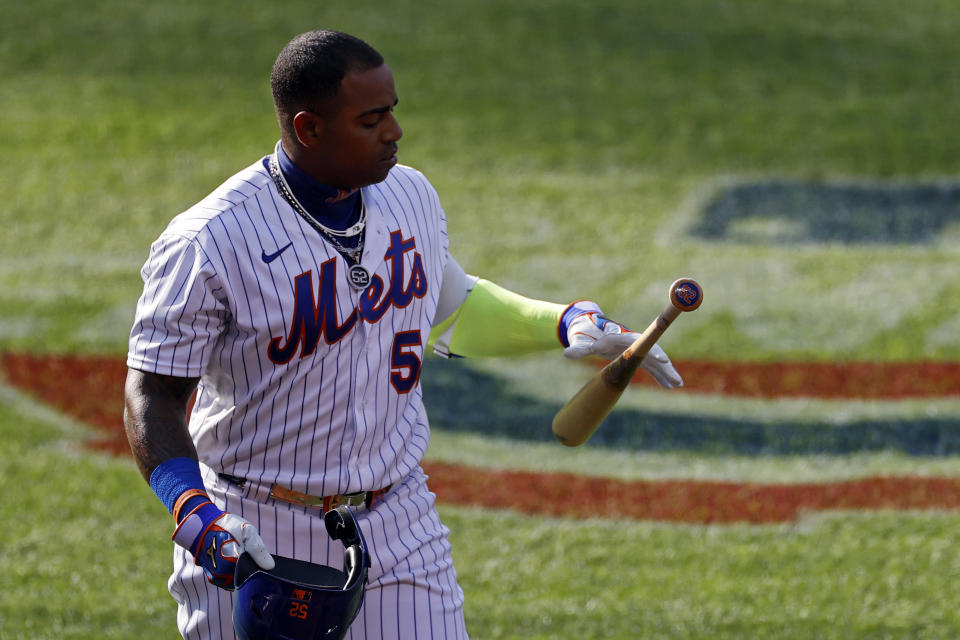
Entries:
{"x":305,"y":381}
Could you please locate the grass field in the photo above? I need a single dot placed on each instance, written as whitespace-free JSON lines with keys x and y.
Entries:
{"x":621,"y":116}
{"x":845,"y":575}
{"x":579,"y":150}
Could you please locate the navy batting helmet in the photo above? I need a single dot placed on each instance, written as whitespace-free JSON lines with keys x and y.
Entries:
{"x":299,"y":600}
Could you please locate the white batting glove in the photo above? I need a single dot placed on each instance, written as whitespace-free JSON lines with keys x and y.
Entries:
{"x":248,"y":538}
{"x":590,"y":333}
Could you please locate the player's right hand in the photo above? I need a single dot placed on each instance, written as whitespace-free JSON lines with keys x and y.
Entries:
{"x":217,"y":539}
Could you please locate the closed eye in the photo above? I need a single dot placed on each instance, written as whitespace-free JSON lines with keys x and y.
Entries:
{"x":378,"y":112}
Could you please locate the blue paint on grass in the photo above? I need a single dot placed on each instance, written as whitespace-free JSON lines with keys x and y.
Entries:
{"x":793,"y":212}
{"x":462,"y":399}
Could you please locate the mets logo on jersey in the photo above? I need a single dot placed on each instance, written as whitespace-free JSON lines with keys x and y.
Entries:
{"x":315,"y":309}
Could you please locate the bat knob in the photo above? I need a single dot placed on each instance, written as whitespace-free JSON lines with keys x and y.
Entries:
{"x":686,"y":294}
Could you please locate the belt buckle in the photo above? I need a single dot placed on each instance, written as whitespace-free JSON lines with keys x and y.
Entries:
{"x":350,"y":499}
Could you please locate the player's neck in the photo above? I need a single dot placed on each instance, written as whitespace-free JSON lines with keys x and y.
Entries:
{"x":331,"y":206}
{"x":300,"y":179}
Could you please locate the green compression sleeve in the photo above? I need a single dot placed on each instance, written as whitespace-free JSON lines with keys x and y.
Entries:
{"x":493,"y":321}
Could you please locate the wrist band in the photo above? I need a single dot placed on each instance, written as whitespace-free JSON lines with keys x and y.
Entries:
{"x":174,"y":477}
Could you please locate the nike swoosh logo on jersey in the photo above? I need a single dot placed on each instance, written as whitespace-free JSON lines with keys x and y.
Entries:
{"x":270,"y":257}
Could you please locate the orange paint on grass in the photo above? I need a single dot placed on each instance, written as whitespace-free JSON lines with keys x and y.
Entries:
{"x":699,"y":502}
{"x":844,"y":380}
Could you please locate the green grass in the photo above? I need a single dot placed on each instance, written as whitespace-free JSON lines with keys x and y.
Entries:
{"x":838,"y":576}
{"x":571,"y":144}
{"x":87,"y":553}
{"x":84,"y":554}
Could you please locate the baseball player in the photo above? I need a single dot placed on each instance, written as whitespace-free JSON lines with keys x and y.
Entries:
{"x":298,"y":300}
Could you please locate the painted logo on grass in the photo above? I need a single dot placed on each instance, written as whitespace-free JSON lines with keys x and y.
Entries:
{"x":95,"y":396}
{"x":794,"y":212}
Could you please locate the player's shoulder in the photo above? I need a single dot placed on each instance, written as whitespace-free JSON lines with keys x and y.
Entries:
{"x":405,"y":180}
{"x":232,"y":194}
{"x":405,"y":173}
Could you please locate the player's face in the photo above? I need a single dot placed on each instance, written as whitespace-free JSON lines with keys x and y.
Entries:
{"x":359,"y":141}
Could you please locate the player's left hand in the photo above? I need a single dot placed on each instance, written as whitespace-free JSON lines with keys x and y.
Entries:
{"x":590,"y":333}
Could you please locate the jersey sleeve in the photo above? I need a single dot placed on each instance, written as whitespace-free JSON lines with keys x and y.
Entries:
{"x":181,"y":313}
{"x":437,"y":218}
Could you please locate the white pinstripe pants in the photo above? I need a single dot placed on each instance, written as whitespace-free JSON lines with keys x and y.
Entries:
{"x":412,"y":590}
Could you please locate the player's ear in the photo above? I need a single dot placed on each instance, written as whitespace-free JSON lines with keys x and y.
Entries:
{"x":309,"y":127}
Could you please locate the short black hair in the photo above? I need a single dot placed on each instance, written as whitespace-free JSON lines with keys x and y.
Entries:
{"x":308,"y":71}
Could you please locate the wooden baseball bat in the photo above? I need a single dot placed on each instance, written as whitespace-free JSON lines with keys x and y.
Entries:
{"x":579,"y":418}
